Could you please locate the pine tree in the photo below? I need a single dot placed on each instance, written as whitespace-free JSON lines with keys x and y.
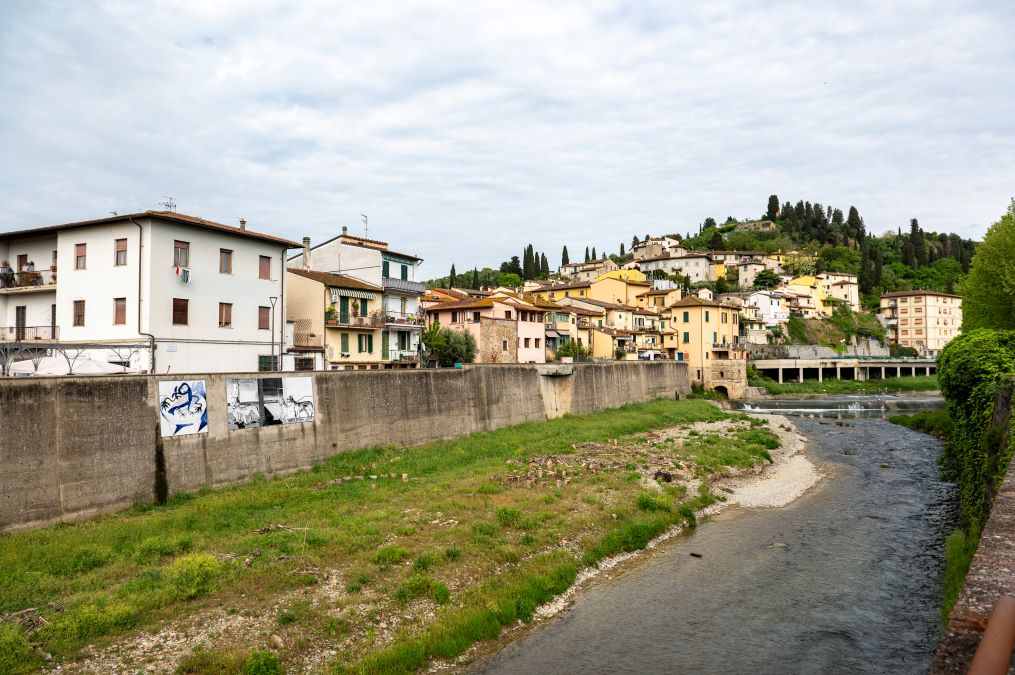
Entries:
{"x":634,"y":242}
{"x":773,"y":208}
{"x":452,"y":278}
{"x":716,"y":242}
{"x":854,"y":224}
{"x":564,"y":260}
{"x":587,"y":258}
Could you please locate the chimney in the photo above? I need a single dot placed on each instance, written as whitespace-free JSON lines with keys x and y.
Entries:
{"x":306,"y":253}
{"x":243,"y":224}
{"x":345,"y":231}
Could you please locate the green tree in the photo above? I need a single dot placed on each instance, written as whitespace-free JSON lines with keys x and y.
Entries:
{"x":564,"y":260}
{"x":544,"y":265}
{"x":634,"y":242}
{"x":573,"y":349}
{"x":454,"y":346}
{"x":509,"y":280}
{"x":715,"y":243}
{"x":709,"y":222}
{"x":988,"y":292}
{"x":594,"y":253}
{"x":766,"y":279}
{"x":773,"y":208}
{"x":475,"y":278}
{"x":452,"y":278}
{"x":587,"y":258}
{"x":621,"y":248}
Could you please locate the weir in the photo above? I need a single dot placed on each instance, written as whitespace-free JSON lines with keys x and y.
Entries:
{"x":798,"y":370}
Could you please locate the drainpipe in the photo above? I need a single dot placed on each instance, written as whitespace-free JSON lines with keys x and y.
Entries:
{"x":151,"y":338}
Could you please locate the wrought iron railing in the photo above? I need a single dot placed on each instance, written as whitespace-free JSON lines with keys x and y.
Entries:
{"x":354,"y":321}
{"x":11,"y":279}
{"x":28,"y":333}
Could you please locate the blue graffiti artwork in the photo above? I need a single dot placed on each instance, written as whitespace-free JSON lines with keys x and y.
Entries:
{"x":183,"y":408}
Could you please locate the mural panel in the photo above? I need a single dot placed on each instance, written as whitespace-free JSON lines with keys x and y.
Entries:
{"x":183,"y":407}
{"x":261,"y":402}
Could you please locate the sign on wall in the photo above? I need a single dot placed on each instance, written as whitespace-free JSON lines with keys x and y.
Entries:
{"x":261,"y":402}
{"x":183,"y":407}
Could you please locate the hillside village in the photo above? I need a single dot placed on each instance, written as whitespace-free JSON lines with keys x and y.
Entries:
{"x":160,"y":291}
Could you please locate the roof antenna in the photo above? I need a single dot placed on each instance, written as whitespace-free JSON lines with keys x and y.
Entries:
{"x":366,"y":228}
{"x":169,"y":204}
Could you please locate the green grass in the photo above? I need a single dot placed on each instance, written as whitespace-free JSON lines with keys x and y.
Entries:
{"x":95,"y":580}
{"x":893,"y":384}
{"x":934,"y":423}
{"x":960,"y":546}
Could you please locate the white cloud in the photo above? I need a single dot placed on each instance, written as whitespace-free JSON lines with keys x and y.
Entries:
{"x":466,"y":130}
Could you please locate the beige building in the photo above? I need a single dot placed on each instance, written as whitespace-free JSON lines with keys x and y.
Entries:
{"x":702,"y":332}
{"x":507,"y":329}
{"x":924,"y":320}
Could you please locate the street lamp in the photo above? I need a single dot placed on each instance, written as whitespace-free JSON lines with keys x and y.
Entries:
{"x":273,"y":299}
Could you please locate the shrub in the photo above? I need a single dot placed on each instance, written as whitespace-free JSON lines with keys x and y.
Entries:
{"x":420,"y":586}
{"x":390,"y":555}
{"x":424,"y":562}
{"x":262,"y":662}
{"x":509,"y":517}
{"x":193,"y":575}
{"x":452,"y":553}
{"x":647,"y":501}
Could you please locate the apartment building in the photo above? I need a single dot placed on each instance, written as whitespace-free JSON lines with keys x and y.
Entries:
{"x":842,"y":288}
{"x":658,"y":247}
{"x":507,"y":329}
{"x":697,"y":266}
{"x":375,"y":263}
{"x":702,"y":331}
{"x":924,"y":320}
{"x":587,"y":271}
{"x":606,"y":288}
{"x":189,"y":294}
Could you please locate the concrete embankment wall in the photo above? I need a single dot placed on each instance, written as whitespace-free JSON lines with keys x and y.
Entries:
{"x":74,"y":447}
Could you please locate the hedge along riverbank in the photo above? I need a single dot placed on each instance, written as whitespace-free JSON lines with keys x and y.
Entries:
{"x":975,"y":371}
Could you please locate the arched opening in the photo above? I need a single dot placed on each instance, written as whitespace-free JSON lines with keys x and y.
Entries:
{"x":720,"y":389}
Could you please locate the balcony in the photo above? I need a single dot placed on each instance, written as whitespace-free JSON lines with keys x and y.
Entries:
{"x":403,"y":356}
{"x":726,"y":346}
{"x":28,"y":333}
{"x":27,"y":281}
{"x":405,"y":320}
{"x":351,"y":321}
{"x":403,"y":286}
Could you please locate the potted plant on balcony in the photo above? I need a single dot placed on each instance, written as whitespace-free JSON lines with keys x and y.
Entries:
{"x":52,"y":274}
{"x":330,"y":315}
{"x":6,"y":275}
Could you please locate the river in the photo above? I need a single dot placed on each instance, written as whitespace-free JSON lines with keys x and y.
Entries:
{"x":845,"y":579}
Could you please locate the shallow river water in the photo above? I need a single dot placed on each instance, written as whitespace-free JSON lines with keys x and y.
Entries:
{"x":845,"y":579}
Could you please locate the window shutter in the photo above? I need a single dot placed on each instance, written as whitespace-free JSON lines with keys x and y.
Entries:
{"x":370,"y":343}
{"x":345,"y":342}
{"x":362,"y":307}
{"x":386,"y":266}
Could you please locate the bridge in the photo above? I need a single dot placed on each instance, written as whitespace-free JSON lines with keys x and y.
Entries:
{"x":853,"y":368}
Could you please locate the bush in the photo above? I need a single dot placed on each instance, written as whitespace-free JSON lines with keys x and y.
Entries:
{"x":262,"y":662}
{"x":390,"y":555}
{"x":420,"y":586}
{"x":573,"y":349}
{"x":648,"y":501}
{"x":193,"y":575}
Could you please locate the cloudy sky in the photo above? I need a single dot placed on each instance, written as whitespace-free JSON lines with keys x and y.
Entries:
{"x":465,"y":130}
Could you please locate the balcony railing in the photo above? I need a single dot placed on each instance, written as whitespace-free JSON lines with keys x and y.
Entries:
{"x":403,"y":285}
{"x":404,"y":319}
{"x":729,"y":345}
{"x":403,"y":356}
{"x":28,"y":333}
{"x":354,"y":321}
{"x":26,"y":280}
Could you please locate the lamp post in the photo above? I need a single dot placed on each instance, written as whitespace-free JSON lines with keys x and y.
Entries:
{"x":273,"y":299}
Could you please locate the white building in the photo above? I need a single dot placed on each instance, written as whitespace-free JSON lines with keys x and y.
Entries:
{"x":772,"y":306}
{"x":203,"y":294}
{"x":697,"y":266}
{"x":842,"y":287}
{"x":373,"y":262}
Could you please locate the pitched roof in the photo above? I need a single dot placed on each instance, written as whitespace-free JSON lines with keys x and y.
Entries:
{"x":170,"y":216}
{"x":695,"y":301}
{"x":899,"y":294}
{"x":565,"y":286}
{"x":462,"y":304}
{"x":335,"y":280}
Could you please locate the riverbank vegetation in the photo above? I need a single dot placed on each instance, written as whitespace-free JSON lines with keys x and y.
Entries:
{"x":935,"y":423}
{"x":894,"y":384}
{"x":375,"y":560}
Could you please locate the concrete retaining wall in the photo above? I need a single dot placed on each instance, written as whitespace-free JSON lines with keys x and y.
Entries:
{"x":74,"y":447}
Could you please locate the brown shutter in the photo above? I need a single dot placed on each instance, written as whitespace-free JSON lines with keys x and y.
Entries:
{"x":180,"y":311}
{"x":119,"y":311}
{"x":265,"y":268}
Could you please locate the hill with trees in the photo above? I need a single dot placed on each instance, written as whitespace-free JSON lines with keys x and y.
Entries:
{"x":829,"y":239}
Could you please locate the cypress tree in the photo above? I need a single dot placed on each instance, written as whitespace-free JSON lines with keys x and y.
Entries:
{"x":594,"y":257}
{"x":634,"y":242}
{"x":527,"y":263}
{"x":564,"y":260}
{"x":452,"y":278}
{"x":587,"y":254}
{"x":475,"y":278}
{"x":773,"y":208}
{"x":544,"y":265}
{"x":621,"y":248}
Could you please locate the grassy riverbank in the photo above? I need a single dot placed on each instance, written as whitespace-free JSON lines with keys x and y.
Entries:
{"x":893,"y":384}
{"x":376,"y":560}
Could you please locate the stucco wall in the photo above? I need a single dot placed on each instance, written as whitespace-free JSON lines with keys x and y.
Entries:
{"x":74,"y":447}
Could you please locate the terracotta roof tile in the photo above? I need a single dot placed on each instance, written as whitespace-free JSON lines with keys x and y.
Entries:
{"x":335,"y":280}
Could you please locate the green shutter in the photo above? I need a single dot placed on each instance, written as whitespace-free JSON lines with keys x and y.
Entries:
{"x":345,"y":342}
{"x":687,"y":337}
{"x":706,"y":315}
{"x":359,"y":343}
{"x":687,"y":317}
{"x":405,"y":272}
{"x":370,"y":343}
{"x":362,"y":307}
{"x":386,"y":269}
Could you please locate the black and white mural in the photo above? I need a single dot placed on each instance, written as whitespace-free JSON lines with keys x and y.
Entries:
{"x":262,"y":402}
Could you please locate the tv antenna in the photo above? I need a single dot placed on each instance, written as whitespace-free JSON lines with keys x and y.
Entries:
{"x":366,"y":226}
{"x":169,"y":204}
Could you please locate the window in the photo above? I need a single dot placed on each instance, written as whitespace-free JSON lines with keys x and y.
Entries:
{"x":706,"y":315}
{"x":225,"y":261}
{"x":79,"y":312}
{"x":687,"y":337}
{"x":365,"y":343}
{"x":79,"y":256}
{"x":385,"y":269}
{"x":687,"y":317}
{"x":475,"y":317}
{"x":180,"y":311}
{"x":526,"y":343}
{"x":507,"y":314}
{"x":54,"y":257}
{"x":120,"y":256}
{"x":267,"y":363}
{"x":119,"y":311}
{"x":405,"y":272}
{"x":303,"y":363}
{"x":537,"y":343}
{"x":225,"y":315}
{"x":181,"y":253}
{"x":263,"y":318}
{"x":504,"y":346}
{"x":264,"y":267}
{"x":345,"y":342}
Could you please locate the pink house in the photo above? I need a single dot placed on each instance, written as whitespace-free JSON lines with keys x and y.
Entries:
{"x":507,"y":330}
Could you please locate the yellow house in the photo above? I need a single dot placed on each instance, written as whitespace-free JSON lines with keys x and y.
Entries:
{"x":623,"y":275}
{"x":701,"y":332}
{"x":659,"y":299}
{"x":606,"y":288}
{"x":337,"y":316}
{"x":813,"y":287}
